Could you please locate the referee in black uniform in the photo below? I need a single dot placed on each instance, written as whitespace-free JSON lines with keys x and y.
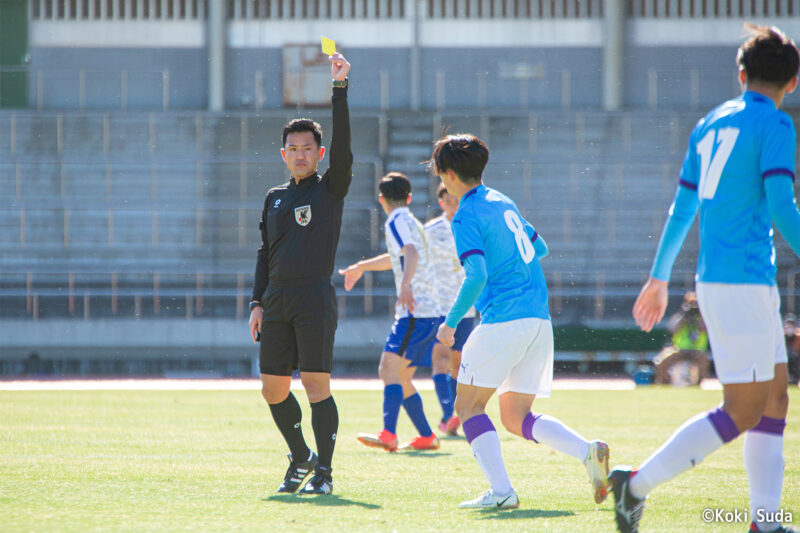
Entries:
{"x":294,"y":303}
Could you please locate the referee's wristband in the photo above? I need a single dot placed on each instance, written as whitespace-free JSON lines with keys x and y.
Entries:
{"x":340,"y":83}
{"x":255,"y":304}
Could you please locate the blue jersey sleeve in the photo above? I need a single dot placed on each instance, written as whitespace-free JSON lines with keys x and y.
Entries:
{"x":468,"y":236}
{"x":539,"y":245}
{"x":783,"y":210}
{"x":778,"y":141}
{"x":681,"y":216}
{"x":471,"y":288}
{"x":690,"y":176}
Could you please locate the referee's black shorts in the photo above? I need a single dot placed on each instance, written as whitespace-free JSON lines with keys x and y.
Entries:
{"x":298,"y":329}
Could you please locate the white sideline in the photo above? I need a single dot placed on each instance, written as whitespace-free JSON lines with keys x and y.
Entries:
{"x":253,"y":384}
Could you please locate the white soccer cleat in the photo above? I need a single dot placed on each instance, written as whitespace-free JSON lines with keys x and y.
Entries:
{"x":596,"y":464}
{"x":492,"y":500}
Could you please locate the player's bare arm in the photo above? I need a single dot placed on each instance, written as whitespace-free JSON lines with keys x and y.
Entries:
{"x":650,"y":305}
{"x":446,"y":334}
{"x":406,"y":297}
{"x":354,"y":272}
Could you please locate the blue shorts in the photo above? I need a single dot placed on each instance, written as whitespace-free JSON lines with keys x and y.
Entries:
{"x":412,"y":338}
{"x":463,"y":330}
{"x":461,"y":335}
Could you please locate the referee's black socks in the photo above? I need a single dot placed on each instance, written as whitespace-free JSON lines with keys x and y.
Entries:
{"x":325,"y":421}
{"x":288,"y":415}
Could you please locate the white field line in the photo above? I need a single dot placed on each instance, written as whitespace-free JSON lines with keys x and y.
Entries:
{"x":254,"y":384}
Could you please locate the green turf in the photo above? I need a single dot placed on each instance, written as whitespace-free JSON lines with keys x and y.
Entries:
{"x":211,"y":461}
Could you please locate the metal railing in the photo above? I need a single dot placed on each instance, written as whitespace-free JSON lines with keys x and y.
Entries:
{"x":144,"y":10}
{"x":47,"y":295}
{"x":717,"y":9}
{"x":118,"y":10}
{"x":316,"y":9}
{"x":522,"y":85}
{"x":160,"y":10}
{"x":55,"y":296}
{"x":84,"y":86}
{"x":513,"y":9}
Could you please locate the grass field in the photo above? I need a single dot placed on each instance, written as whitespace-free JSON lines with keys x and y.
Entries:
{"x":211,"y":461}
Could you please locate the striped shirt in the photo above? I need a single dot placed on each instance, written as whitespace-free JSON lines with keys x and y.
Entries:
{"x":402,"y":228}
{"x":448,"y":272}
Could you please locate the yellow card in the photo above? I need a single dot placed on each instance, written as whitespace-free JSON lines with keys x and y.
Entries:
{"x":328,"y":46}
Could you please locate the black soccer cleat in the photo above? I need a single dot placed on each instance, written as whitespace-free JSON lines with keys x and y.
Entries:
{"x":297,"y":473}
{"x":320,"y":483}
{"x":627,"y":509}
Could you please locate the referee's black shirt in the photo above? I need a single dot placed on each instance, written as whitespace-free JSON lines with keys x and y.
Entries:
{"x":300,"y":222}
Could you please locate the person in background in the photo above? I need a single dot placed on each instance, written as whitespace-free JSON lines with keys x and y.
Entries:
{"x":685,"y":361}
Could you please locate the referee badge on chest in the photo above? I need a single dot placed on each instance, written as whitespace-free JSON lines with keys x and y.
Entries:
{"x":302,"y":215}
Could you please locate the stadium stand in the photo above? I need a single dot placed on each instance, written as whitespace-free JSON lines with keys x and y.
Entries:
{"x":124,"y":200}
{"x":96,"y":232}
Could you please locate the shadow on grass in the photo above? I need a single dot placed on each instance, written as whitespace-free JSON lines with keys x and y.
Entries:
{"x":327,"y":500}
{"x":516,"y":514}
{"x":453,"y":438}
{"x":423,"y":453}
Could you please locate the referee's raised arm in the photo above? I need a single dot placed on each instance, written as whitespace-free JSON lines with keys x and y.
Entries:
{"x":340,"y":171}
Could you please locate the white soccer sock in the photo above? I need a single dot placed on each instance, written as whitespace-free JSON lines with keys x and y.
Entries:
{"x":486,"y":448}
{"x":763,"y":460}
{"x":551,"y":431}
{"x":687,"y":447}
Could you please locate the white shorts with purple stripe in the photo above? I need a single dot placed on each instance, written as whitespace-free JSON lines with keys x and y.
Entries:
{"x":514,"y":356}
{"x":744,"y":330}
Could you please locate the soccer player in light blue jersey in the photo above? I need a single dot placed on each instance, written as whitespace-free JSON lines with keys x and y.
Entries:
{"x":738,"y":173}
{"x":511,"y":351}
{"x":449,"y":275}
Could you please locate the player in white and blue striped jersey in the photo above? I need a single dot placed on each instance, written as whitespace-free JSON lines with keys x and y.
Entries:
{"x":511,"y":351}
{"x":738,"y":173}
{"x":449,"y":273}
{"x":416,"y":315}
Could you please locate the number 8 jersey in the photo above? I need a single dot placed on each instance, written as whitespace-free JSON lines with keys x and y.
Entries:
{"x":488,"y":223}
{"x":732,"y":150}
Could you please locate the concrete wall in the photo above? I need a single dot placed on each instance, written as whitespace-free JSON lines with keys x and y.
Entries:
{"x":669,"y":62}
{"x":60,"y":77}
{"x":664,"y":77}
{"x":675,"y":76}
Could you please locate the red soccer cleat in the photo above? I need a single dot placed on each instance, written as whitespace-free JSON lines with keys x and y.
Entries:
{"x":422,"y":443}
{"x":452,"y":426}
{"x":385,"y":439}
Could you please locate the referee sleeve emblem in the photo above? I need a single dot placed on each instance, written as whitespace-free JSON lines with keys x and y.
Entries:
{"x":302,"y":215}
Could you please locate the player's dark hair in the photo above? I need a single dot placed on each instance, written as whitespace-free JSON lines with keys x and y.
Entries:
{"x":441,"y":190}
{"x":463,"y":153}
{"x":395,"y":188}
{"x":768,"y":55}
{"x":299,"y":125}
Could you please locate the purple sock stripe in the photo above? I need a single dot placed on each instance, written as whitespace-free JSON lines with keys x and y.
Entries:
{"x":723,"y":423}
{"x":773,"y":426}
{"x":527,"y":426}
{"x":477,"y":426}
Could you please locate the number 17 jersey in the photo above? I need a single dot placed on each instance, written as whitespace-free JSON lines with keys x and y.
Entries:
{"x":732,"y":150}
{"x":488,"y":223}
